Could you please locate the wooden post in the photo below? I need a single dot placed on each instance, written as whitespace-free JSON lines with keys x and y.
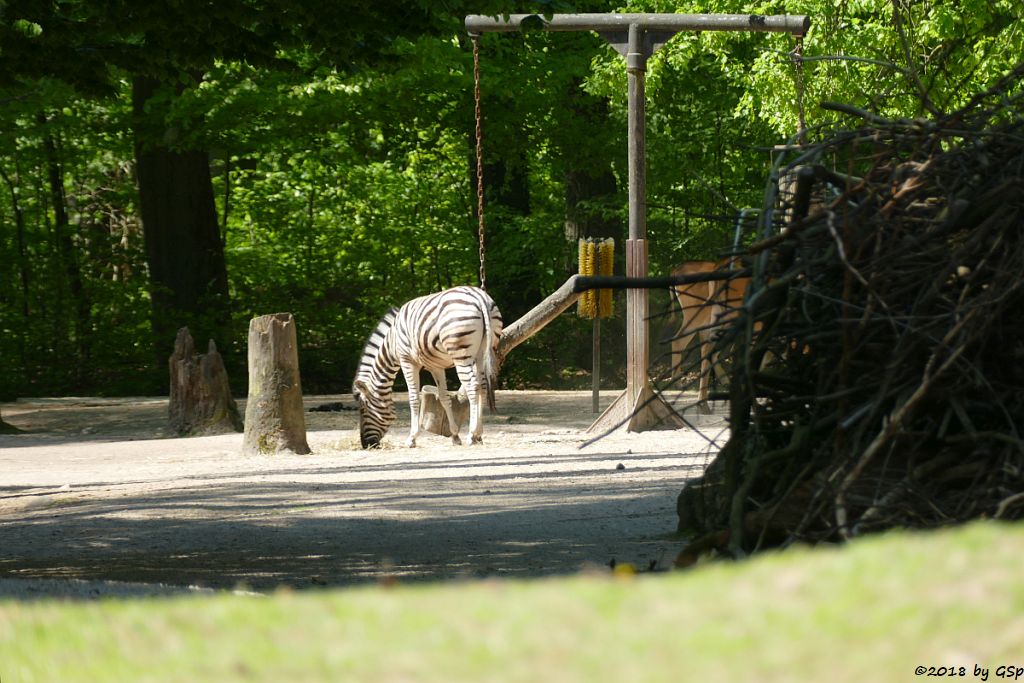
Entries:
{"x":636,"y":321}
{"x":639,"y":408}
{"x":595,"y":364}
{"x":636,"y":37}
{"x":200,"y":398}
{"x":274,"y":420}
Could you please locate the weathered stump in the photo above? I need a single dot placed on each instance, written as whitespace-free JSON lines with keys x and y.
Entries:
{"x":274,"y":420}
{"x":432,"y":414}
{"x":7,"y":428}
{"x":200,"y":401}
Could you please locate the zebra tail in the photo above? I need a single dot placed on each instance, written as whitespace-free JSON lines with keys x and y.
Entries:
{"x":490,"y":363}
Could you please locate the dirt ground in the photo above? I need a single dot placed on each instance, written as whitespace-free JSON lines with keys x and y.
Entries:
{"x":94,"y":491}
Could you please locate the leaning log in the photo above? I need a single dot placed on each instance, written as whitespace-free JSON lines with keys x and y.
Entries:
{"x":539,"y":316}
{"x":200,"y":398}
{"x":571,"y":290}
{"x":274,"y":421}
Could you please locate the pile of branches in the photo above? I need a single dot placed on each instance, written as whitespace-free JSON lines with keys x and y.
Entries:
{"x":878,"y":372}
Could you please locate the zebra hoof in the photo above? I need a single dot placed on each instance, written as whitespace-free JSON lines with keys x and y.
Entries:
{"x":410,"y":443}
{"x":456,"y":441}
{"x":477,"y":440}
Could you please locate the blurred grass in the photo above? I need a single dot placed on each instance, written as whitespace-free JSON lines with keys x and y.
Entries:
{"x":871,"y":611}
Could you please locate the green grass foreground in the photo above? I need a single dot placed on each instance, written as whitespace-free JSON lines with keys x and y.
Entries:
{"x":873,"y":611}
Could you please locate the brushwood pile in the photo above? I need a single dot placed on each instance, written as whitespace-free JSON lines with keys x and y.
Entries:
{"x":877,"y":372}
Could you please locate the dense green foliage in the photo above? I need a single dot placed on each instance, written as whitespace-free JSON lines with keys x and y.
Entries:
{"x":339,"y":145}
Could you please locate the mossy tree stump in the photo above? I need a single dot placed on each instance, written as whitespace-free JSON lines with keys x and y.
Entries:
{"x":274,"y":421}
{"x":200,"y":398}
{"x":7,"y":428}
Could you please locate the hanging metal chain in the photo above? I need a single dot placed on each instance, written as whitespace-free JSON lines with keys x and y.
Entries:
{"x":798,"y":65}
{"x":479,"y":156}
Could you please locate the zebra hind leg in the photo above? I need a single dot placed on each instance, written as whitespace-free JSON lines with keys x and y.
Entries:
{"x":468,"y":376}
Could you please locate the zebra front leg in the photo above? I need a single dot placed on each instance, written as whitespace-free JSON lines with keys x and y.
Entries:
{"x":445,"y":401}
{"x":412,"y":380}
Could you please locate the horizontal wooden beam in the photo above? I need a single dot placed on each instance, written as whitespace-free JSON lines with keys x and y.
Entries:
{"x":796,"y":24}
{"x":582,"y":283}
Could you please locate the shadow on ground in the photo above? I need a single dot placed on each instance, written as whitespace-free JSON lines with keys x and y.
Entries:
{"x":184,"y":512}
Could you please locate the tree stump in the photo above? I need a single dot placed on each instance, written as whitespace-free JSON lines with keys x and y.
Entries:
{"x":274,"y":420}
{"x":7,"y":428}
{"x":201,"y":401}
{"x":432,"y":415}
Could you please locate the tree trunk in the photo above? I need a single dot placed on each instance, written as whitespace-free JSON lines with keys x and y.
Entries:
{"x":201,"y":401}
{"x":23,"y":261}
{"x":585,"y":191}
{"x":184,"y":251}
{"x":274,"y":420}
{"x":66,"y":249}
{"x":590,"y":189}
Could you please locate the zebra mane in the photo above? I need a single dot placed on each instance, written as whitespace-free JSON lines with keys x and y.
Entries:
{"x":374,"y":342}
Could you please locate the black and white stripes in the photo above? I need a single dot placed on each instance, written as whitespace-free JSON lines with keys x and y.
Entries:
{"x":459,"y":327}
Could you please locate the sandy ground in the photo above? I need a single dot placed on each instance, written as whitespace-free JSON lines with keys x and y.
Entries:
{"x":95,"y":492}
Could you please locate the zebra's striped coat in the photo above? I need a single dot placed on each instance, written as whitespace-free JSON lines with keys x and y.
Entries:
{"x":460,"y":327}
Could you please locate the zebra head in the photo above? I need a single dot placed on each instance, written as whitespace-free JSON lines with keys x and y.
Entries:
{"x":372,"y":385}
{"x":376,"y":413}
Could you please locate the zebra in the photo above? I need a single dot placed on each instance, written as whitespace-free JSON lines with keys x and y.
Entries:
{"x":458,"y":326}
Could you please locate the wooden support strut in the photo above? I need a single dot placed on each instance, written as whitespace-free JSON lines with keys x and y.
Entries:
{"x":539,"y":316}
{"x":636,"y":37}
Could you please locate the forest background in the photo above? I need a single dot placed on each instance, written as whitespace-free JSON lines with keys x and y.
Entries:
{"x":196,"y":163}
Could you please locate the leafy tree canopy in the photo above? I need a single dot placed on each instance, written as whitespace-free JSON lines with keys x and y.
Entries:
{"x":338,"y":141}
